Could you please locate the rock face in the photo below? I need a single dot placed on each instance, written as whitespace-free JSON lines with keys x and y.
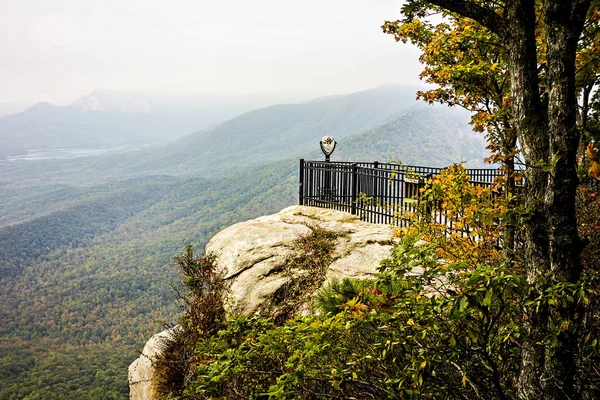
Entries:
{"x":250,"y":255}
{"x":140,"y":371}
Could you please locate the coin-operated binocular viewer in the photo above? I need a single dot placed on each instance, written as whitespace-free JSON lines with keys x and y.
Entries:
{"x":328,"y":190}
{"x":327,"y":146}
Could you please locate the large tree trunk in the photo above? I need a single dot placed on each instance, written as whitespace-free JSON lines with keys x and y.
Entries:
{"x":549,"y":137}
{"x":531,"y":125}
{"x":564,"y":22}
{"x":509,"y":146}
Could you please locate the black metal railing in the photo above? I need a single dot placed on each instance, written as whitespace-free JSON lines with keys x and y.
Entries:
{"x":376,"y":192}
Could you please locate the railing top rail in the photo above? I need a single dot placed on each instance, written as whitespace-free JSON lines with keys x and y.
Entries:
{"x":401,"y":167}
{"x":518,"y":165}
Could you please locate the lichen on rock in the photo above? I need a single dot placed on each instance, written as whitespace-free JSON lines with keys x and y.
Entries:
{"x":251,"y":253}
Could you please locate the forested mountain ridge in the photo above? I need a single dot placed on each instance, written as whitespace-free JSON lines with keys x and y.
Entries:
{"x":254,"y":138}
{"x":75,"y":226}
{"x":428,"y":136}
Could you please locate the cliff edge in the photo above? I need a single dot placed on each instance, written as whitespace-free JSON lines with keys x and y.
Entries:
{"x":252,"y":257}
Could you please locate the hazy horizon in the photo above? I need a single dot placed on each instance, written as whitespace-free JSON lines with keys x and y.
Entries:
{"x":59,"y":51}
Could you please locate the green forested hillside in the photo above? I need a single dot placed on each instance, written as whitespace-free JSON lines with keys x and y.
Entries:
{"x":76,"y":226}
{"x":430,"y":136}
{"x":30,"y":199}
{"x":83,"y":288}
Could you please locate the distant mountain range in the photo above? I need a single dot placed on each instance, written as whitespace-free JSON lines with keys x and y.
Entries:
{"x":173,"y":101}
{"x":106,"y":118}
{"x":14,"y":107}
{"x":276,"y":133}
{"x":113,"y":101}
{"x":46,"y":126}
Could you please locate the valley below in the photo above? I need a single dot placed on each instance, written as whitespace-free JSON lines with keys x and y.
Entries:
{"x":53,"y":154}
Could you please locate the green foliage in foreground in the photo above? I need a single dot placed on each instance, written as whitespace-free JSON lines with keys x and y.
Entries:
{"x":453,"y":331}
{"x":463,"y":342}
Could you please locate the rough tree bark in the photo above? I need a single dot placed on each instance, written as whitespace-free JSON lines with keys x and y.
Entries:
{"x":509,"y":144}
{"x":546,"y":128}
{"x":530,"y":123}
{"x":564,"y":23}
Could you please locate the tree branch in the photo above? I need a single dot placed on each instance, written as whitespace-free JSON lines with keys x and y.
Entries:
{"x":485,"y":16}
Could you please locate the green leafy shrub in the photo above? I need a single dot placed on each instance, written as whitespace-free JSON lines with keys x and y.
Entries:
{"x":386,"y":347}
{"x":333,"y":298}
{"x":200,"y":296}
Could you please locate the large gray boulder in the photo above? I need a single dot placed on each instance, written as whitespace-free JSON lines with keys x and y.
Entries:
{"x":250,"y":254}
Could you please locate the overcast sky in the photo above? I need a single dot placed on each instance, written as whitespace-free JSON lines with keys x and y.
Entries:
{"x":58,"y":50}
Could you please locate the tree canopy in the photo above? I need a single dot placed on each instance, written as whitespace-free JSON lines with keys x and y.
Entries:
{"x":535,"y":44}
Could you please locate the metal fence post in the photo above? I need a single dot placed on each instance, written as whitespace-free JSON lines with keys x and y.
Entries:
{"x":301,"y":184}
{"x":354,"y":188}
{"x":422,"y":184}
{"x":375,"y":181}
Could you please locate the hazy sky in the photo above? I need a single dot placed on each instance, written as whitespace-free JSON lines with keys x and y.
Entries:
{"x":58,"y":50}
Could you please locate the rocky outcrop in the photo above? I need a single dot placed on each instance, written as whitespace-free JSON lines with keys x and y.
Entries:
{"x":251,"y":255}
{"x":140,"y":371}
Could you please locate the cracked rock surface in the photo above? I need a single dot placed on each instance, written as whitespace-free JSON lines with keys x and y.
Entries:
{"x":140,"y":371}
{"x":250,"y":254}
